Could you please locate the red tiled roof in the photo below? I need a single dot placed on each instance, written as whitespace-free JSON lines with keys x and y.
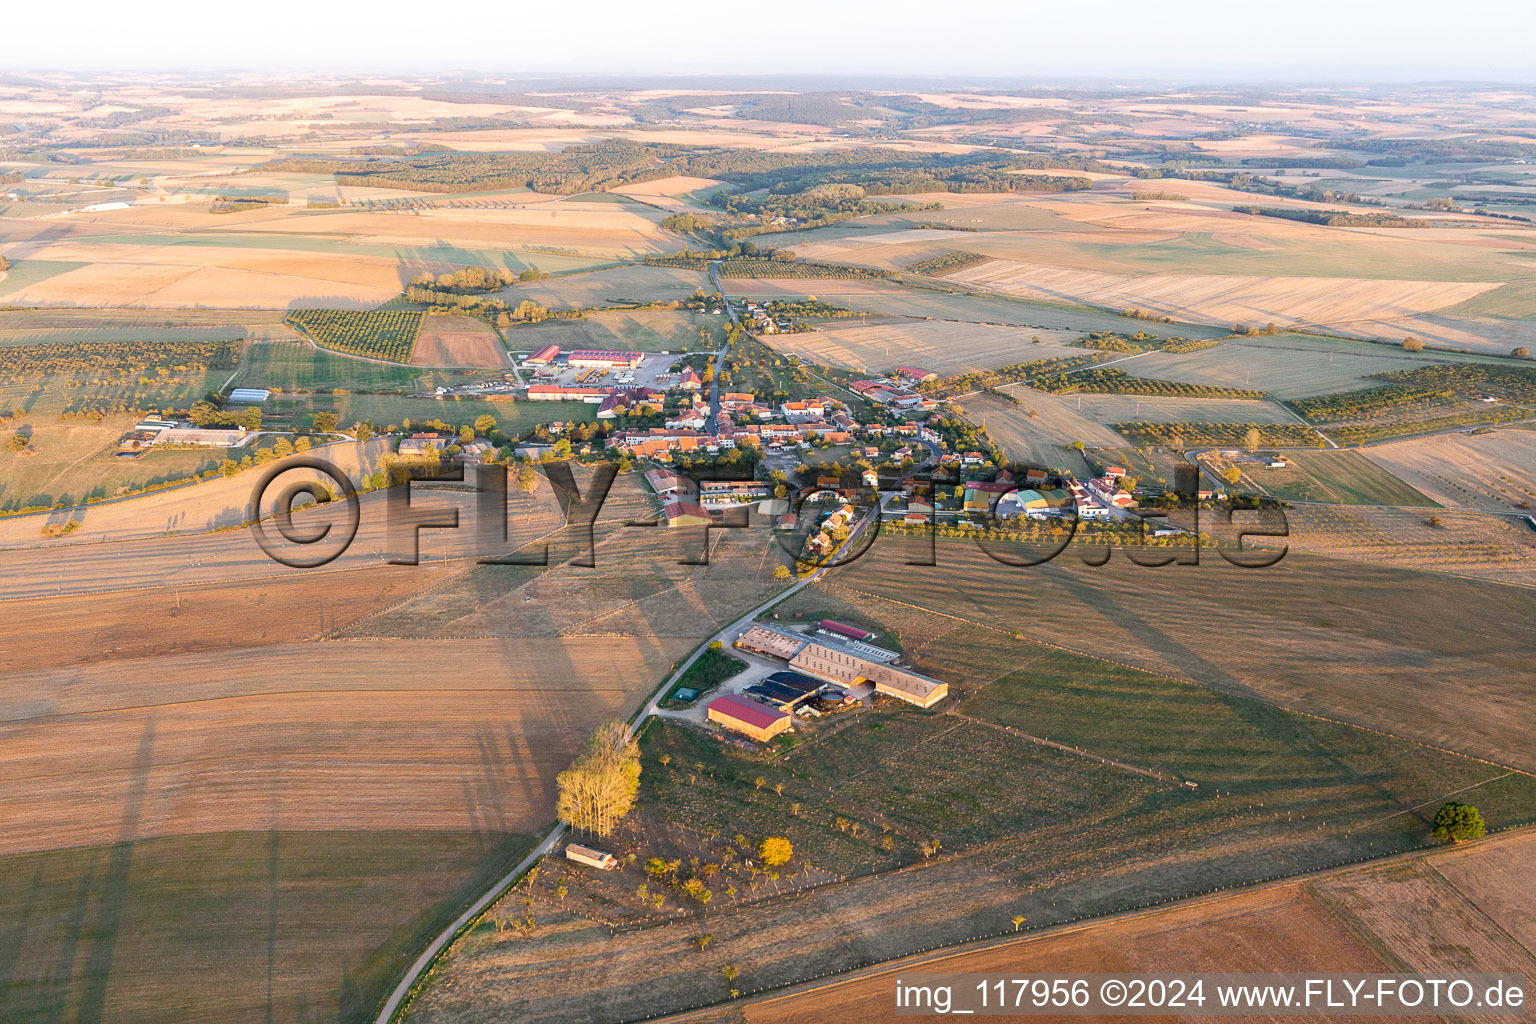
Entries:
{"x":747,"y":711}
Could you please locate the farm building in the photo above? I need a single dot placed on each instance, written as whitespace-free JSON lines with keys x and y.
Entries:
{"x":786,"y":698}
{"x":592,"y":858}
{"x":843,"y":629}
{"x":564,"y":393}
{"x":249,"y":396}
{"x":762,"y":640}
{"x":686,"y":513}
{"x":604,"y":359}
{"x":729,"y":491}
{"x":547,"y":354}
{"x":202,"y":438}
{"x":849,"y":669}
{"x":916,"y":375}
{"x":748,"y":717}
{"x":663,"y":482}
{"x":786,"y":689}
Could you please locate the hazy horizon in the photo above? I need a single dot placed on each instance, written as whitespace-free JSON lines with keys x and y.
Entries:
{"x":1195,"y":41}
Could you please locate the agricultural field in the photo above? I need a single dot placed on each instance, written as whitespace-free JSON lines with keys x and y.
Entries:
{"x":1111,"y":380}
{"x":1471,"y":544}
{"x":1278,"y":429}
{"x":1286,"y":366}
{"x":947,"y":302}
{"x":635,"y":283}
{"x":1453,"y":679}
{"x":942,"y":346}
{"x":1372,"y":919}
{"x":239,"y":791}
{"x":328,"y":871}
{"x":1492,"y":470}
{"x":384,"y":409}
{"x":291,"y":924}
{"x":1041,"y":430}
{"x":1334,"y":477}
{"x":973,"y":805}
{"x":299,"y":366}
{"x":639,"y":330}
{"x":457,"y":341}
{"x":388,"y":335}
{"x":947,"y":263}
{"x":1424,"y":400}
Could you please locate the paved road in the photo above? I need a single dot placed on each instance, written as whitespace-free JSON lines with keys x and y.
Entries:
{"x":725,"y":635}
{"x":713,"y":425}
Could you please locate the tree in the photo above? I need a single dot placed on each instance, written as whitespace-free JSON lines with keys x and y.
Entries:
{"x":362,"y":431}
{"x":527,"y":478}
{"x":1412,"y":344}
{"x":600,"y":787}
{"x":781,"y":572}
{"x":1252,"y":438}
{"x":1521,"y":353}
{"x":325,"y":423}
{"x":775,"y":851}
{"x":1457,"y":822}
{"x":17,"y":442}
{"x":1232,"y":475}
{"x":1018,"y":919}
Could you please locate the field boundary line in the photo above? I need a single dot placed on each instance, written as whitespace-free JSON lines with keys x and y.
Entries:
{"x":1214,"y":689}
{"x":938,"y":954}
{"x":1079,"y":751}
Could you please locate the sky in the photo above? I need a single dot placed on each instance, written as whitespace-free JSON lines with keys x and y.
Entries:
{"x":1185,"y":40}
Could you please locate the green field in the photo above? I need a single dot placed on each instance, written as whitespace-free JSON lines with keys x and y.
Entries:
{"x":1341,"y":477}
{"x":284,"y":366}
{"x":232,"y":927}
{"x":383,"y":410}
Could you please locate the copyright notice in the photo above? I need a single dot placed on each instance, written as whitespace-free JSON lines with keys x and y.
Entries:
{"x":1231,"y":994}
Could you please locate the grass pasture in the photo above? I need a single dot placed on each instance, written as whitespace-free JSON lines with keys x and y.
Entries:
{"x":1453,"y":678}
{"x":289,"y":366}
{"x":1338,"y":477}
{"x":385,"y":409}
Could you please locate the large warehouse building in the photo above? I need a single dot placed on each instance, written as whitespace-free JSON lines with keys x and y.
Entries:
{"x":607,"y":360}
{"x":849,"y":669}
{"x":747,"y":717}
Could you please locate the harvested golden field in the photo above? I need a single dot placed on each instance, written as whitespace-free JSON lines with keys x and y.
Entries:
{"x":440,"y":734}
{"x":667,"y":193}
{"x":1374,"y":919}
{"x":1494,"y":471}
{"x":1041,"y":429}
{"x":1286,"y":366}
{"x":1208,"y":298}
{"x":181,"y":255}
{"x":628,"y":330}
{"x":457,"y":341}
{"x":942,"y":346}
